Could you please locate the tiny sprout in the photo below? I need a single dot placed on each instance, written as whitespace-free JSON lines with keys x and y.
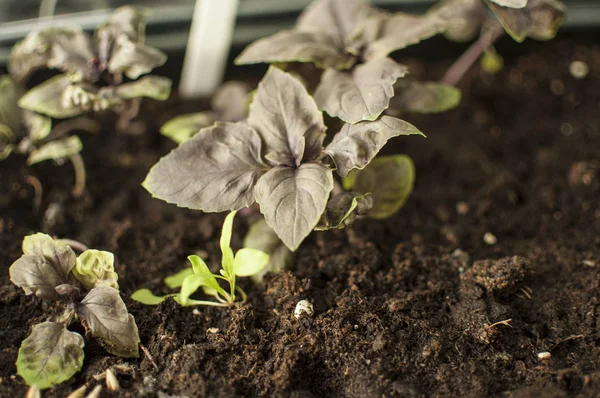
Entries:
{"x":246,"y":262}
{"x":86,"y":285}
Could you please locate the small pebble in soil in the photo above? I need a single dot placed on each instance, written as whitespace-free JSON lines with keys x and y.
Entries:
{"x":212,"y":330}
{"x":303,"y":307}
{"x":589,"y":263}
{"x":566,"y":129}
{"x":462,"y":208}
{"x":579,"y":69}
{"x":544,"y":355}
{"x":111,"y":381}
{"x":490,"y":239}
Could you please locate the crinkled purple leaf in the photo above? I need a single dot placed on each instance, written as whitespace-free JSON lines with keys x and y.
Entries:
{"x":385,"y":33}
{"x":356,"y":144}
{"x":214,"y":171}
{"x":287,"y":118}
{"x":337,"y":19}
{"x":45,"y":264}
{"x":105,"y":315}
{"x":293,"y":199}
{"x":362,"y":94}
{"x":294,"y":46}
{"x":69,"y":49}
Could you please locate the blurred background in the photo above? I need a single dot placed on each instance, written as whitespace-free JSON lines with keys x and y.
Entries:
{"x":169,"y":21}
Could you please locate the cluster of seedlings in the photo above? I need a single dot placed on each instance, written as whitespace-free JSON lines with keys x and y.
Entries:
{"x":270,"y":149}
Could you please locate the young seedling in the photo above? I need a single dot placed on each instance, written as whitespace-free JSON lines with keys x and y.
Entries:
{"x":87,"y":287}
{"x":93,"y":68}
{"x":29,"y":133}
{"x":229,"y":104}
{"x":337,"y":35}
{"x":275,"y":157}
{"x":245,"y":262}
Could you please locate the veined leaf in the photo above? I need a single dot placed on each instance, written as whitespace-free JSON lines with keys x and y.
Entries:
{"x":293,"y":199}
{"x":50,"y":355}
{"x":105,"y":315}
{"x":362,"y":94}
{"x":287,"y":118}
{"x":214,"y":171}
{"x":337,"y":19}
{"x":66,"y":48}
{"x":295,"y":46}
{"x":45,"y":264}
{"x":134,"y":59}
{"x":356,"y":144}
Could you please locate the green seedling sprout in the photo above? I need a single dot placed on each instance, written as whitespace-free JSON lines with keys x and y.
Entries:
{"x":245,"y":262}
{"x":87,"y":286}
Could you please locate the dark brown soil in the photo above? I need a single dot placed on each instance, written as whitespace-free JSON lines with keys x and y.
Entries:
{"x":418,"y":305}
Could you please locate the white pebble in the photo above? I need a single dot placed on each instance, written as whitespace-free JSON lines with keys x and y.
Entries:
{"x":579,"y":69}
{"x":303,"y":307}
{"x":544,"y":355}
{"x":489,"y":238}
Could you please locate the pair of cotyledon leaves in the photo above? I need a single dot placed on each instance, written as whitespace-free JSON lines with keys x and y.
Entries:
{"x":275,"y":157}
{"x":50,"y":269}
{"x":17,"y":125}
{"x":117,"y":48}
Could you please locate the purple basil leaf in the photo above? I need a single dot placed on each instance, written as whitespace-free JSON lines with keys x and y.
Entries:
{"x":362,"y":94}
{"x":294,"y":46}
{"x":293,"y":199}
{"x":356,"y":144}
{"x":284,"y":114}
{"x":511,"y":3}
{"x":105,"y":315}
{"x":539,"y":20}
{"x":68,"y":49}
{"x":385,"y":33}
{"x":50,"y":355}
{"x":337,"y":19}
{"x":213,"y":171}
{"x":45,"y":264}
{"x":133,"y":59}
